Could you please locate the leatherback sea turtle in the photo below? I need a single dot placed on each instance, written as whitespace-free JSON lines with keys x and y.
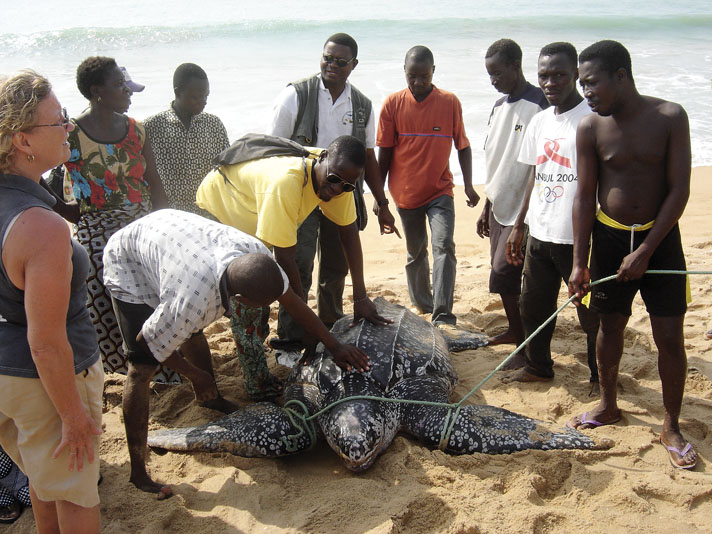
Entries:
{"x":409,"y":360}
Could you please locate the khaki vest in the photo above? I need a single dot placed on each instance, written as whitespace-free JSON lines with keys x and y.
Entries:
{"x":305,"y":127}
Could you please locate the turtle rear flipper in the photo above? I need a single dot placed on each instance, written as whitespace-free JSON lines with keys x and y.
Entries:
{"x":458,"y":340}
{"x":259,"y":430}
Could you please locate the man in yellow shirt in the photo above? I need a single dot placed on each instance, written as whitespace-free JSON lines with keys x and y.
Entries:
{"x":269,"y":198}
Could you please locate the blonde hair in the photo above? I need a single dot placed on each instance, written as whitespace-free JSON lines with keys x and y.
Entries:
{"x":19,"y":96}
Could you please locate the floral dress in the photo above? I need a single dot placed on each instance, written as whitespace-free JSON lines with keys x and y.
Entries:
{"x":107,"y":181}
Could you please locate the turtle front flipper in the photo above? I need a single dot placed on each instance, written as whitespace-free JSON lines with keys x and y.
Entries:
{"x":498,"y":431}
{"x":423,"y":422}
{"x":478,"y":428}
{"x":259,"y":430}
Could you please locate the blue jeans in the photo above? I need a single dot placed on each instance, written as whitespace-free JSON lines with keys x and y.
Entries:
{"x":440,"y":214}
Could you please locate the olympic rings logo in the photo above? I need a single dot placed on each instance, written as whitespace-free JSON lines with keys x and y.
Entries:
{"x":550,"y":194}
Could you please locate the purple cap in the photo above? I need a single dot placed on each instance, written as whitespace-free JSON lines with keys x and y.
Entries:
{"x":135,"y":87}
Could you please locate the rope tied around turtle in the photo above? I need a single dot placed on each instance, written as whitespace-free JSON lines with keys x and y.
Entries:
{"x":453,"y":408}
{"x":302,"y":422}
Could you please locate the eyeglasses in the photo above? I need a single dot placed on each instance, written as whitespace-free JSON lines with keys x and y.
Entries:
{"x":64,"y":123}
{"x":329,"y":59}
{"x":334,"y":178}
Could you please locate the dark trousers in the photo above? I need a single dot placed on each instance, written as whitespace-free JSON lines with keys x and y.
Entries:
{"x":546,"y":265}
{"x":333,"y":268}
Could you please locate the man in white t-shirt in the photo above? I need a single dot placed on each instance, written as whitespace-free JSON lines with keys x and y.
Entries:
{"x":550,"y":146}
{"x":313,"y":112}
{"x":506,"y":179}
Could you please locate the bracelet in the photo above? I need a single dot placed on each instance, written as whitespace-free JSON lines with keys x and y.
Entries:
{"x":383,"y":202}
{"x":364,"y":299}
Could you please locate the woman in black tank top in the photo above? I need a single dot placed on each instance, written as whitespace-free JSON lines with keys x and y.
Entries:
{"x":48,"y":349}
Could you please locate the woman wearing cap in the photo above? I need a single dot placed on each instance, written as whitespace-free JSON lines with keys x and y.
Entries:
{"x":132,"y":85}
{"x":113,"y":178}
{"x":50,"y":373}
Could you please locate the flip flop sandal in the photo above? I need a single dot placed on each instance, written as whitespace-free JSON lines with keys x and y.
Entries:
{"x":586,"y":421}
{"x":680,"y":453}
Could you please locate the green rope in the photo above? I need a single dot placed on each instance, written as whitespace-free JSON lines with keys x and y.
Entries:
{"x":385,"y":399}
{"x":299,"y":420}
{"x":448,"y":425}
{"x":305,"y":422}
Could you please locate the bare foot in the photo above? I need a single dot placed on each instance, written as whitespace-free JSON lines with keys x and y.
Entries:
{"x":593,"y":419}
{"x":519,"y":361}
{"x":595,"y":390}
{"x":144,"y":483}
{"x":524,"y":376}
{"x":505,"y":338}
{"x":220,"y":404}
{"x":681,"y":453}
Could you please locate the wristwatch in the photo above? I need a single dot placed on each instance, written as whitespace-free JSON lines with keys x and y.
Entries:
{"x":383,"y":202}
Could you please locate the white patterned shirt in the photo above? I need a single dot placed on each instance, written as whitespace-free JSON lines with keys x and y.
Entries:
{"x":172,"y":261}
{"x":184,"y":157}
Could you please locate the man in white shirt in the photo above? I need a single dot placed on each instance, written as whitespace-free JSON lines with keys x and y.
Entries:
{"x":314,"y":112}
{"x":506,"y":178}
{"x":550,"y":146}
{"x":171,"y":274}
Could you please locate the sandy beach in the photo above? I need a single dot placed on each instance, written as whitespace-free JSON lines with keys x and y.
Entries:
{"x":410,"y":489}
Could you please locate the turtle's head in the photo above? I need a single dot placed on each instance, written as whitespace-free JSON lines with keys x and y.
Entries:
{"x":359,"y":430}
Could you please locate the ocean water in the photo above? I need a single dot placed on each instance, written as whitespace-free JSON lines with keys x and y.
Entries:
{"x":251,"y":49}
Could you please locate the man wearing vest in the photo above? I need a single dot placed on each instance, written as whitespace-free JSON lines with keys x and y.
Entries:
{"x":315,"y":111}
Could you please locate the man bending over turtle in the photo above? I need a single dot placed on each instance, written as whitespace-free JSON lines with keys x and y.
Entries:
{"x":172,"y":273}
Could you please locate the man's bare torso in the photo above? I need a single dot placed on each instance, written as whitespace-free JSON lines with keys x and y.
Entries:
{"x":632,"y":155}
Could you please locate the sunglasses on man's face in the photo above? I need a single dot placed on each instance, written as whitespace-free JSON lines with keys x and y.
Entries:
{"x":329,"y":59}
{"x":334,"y":178}
{"x":346,"y":187}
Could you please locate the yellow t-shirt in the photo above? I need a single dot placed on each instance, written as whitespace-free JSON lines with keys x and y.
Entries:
{"x":268,"y":198}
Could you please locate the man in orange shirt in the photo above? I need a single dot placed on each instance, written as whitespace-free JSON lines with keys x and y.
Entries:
{"x":415,"y":133}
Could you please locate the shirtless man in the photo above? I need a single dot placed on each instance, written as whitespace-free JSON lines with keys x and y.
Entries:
{"x":635,"y":151}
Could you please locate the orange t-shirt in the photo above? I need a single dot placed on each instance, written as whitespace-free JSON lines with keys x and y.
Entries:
{"x":420,"y":134}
